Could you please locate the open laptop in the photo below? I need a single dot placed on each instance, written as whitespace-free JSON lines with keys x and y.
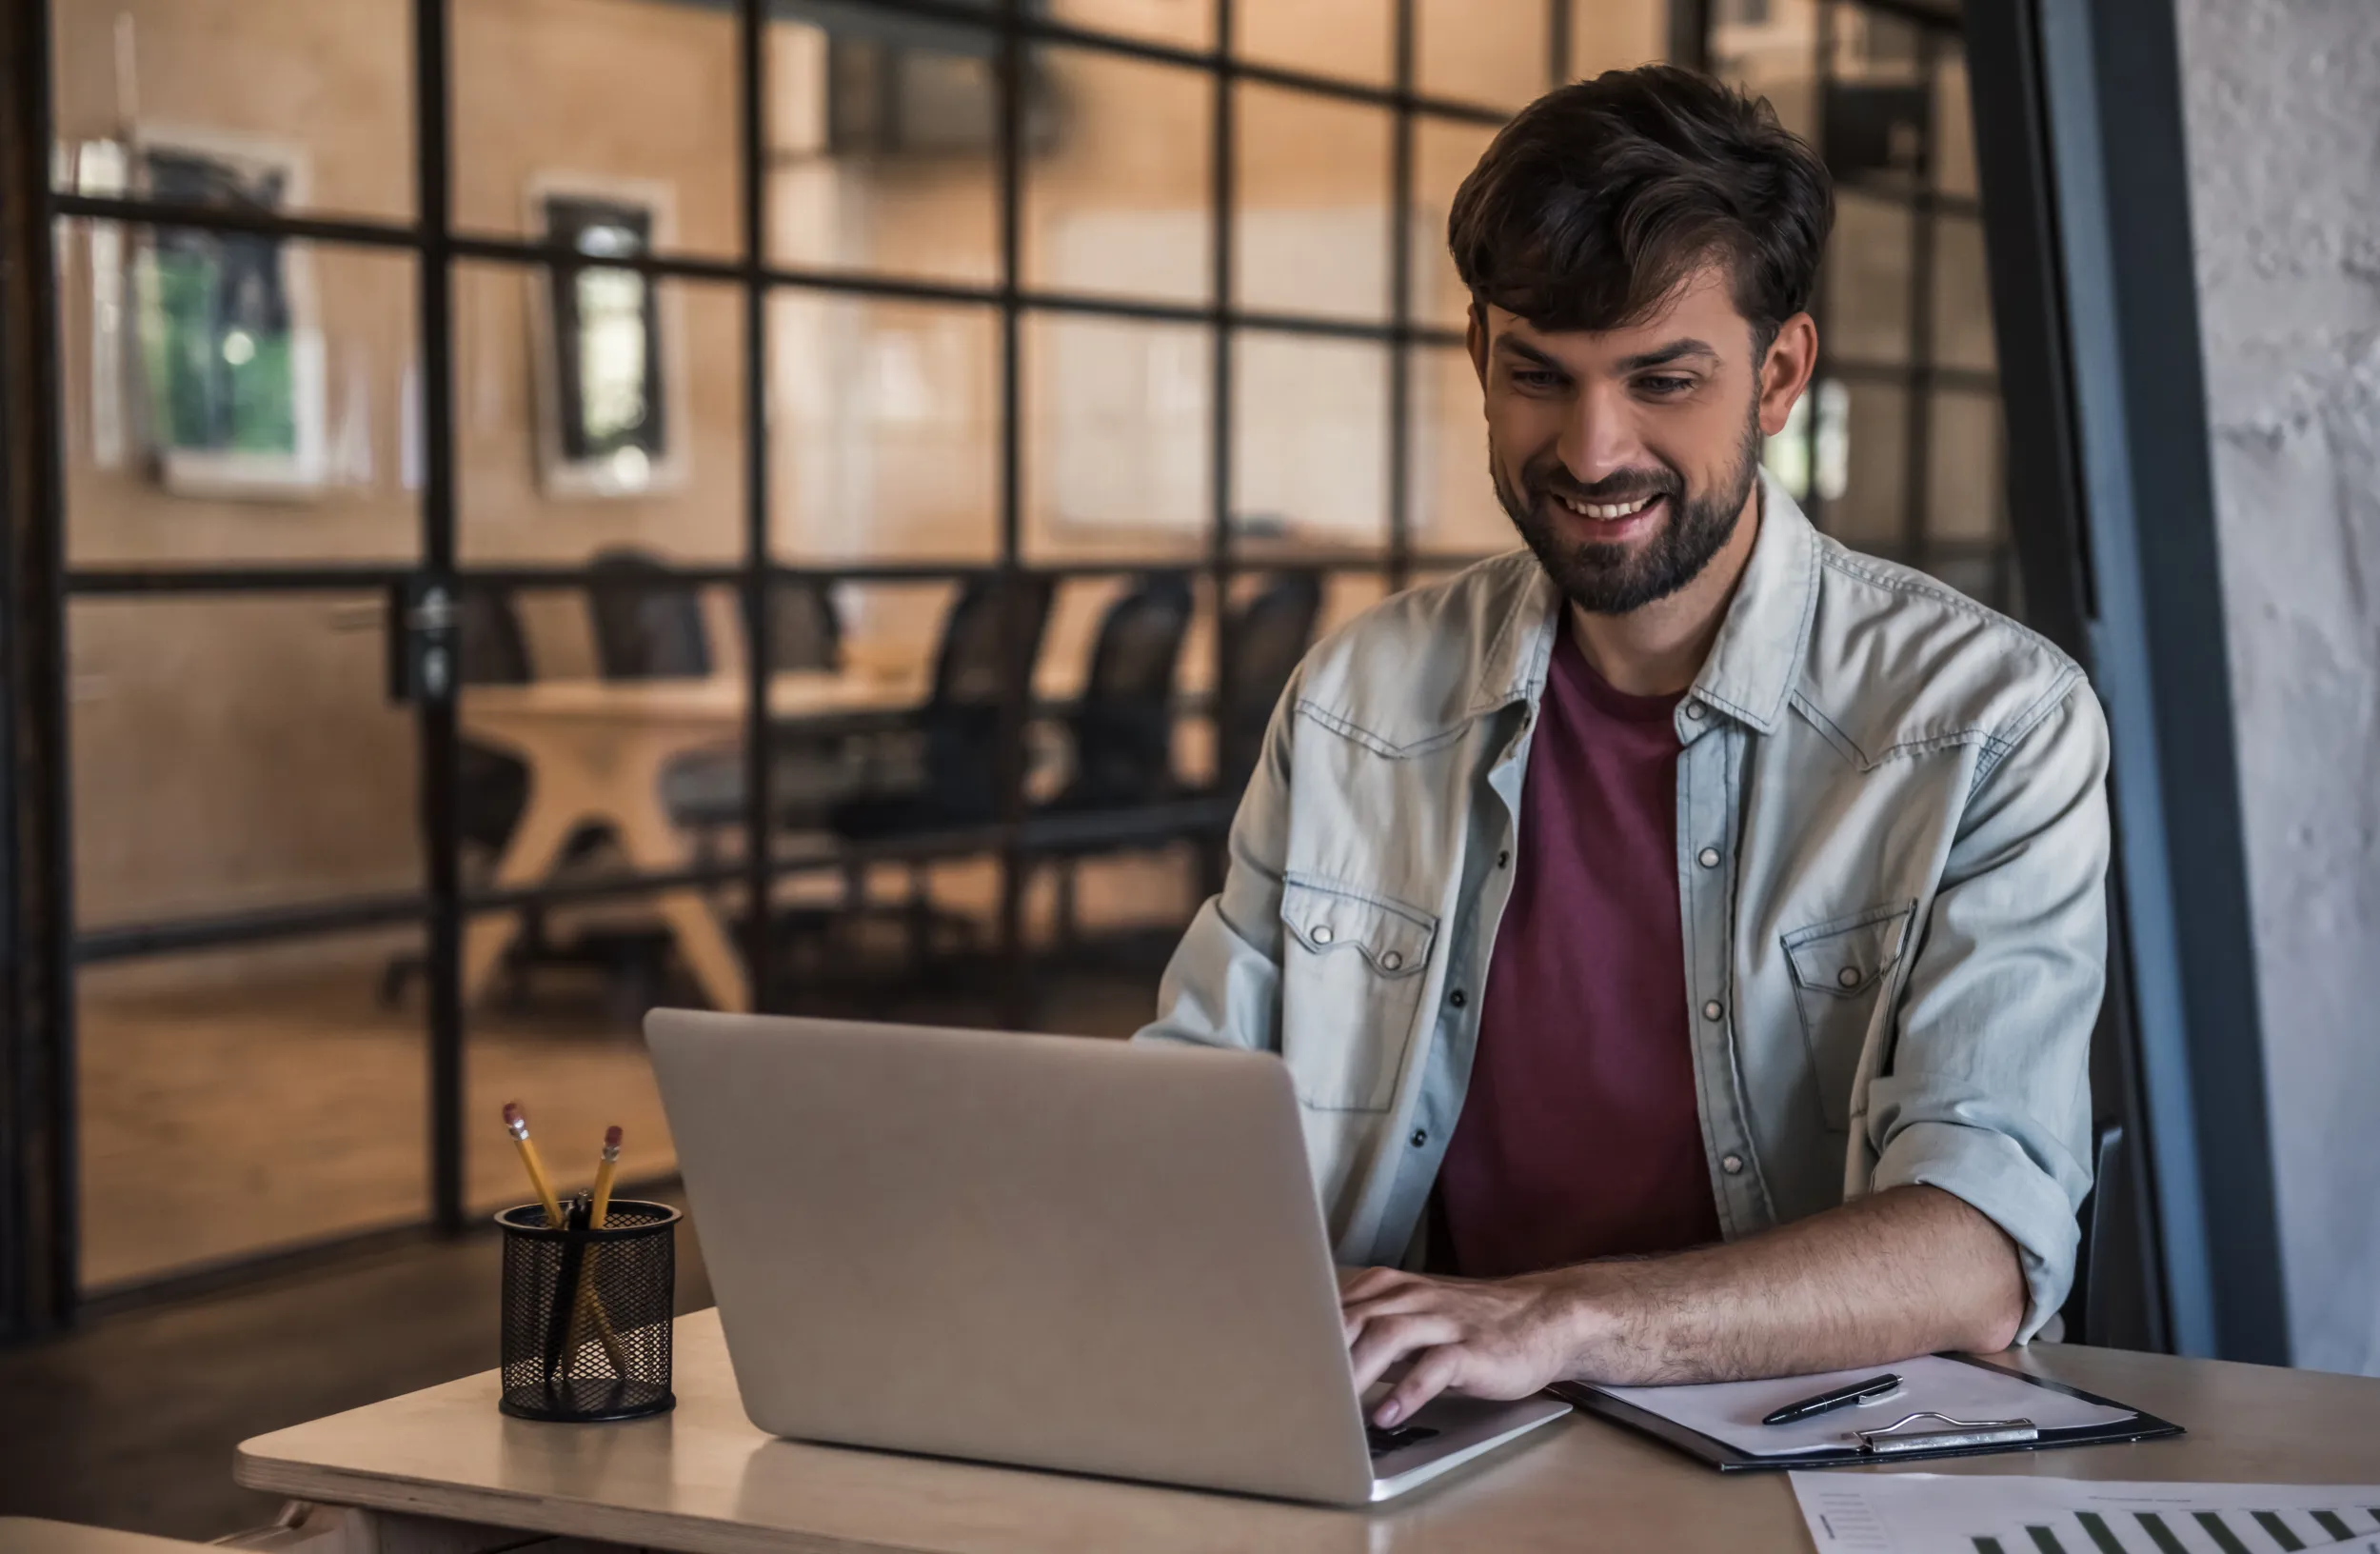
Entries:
{"x":1051,"y":1251}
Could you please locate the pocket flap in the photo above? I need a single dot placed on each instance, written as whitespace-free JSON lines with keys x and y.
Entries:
{"x":1847,"y":956}
{"x":1394,"y":940}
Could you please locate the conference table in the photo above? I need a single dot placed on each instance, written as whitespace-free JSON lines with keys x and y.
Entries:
{"x":441,"y":1469}
{"x":596,"y":750}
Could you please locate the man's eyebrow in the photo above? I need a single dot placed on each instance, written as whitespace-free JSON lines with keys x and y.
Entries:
{"x":1675,"y":351}
{"x":1514,"y":346}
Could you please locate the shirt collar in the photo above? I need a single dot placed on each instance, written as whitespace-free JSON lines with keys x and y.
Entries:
{"x":1754,"y":661}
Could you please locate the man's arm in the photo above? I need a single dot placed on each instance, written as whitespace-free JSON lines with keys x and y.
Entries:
{"x":1905,"y":1273}
{"x":1222,"y":985}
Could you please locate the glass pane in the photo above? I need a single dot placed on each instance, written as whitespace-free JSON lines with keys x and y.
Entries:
{"x":597,"y":98}
{"x":1870,"y":513}
{"x":1953,"y":126}
{"x":1769,"y":48}
{"x":1964,"y":500}
{"x":230,"y":102}
{"x":595,"y":410}
{"x":1346,"y":595}
{"x":1118,"y":427}
{"x":1445,"y":151}
{"x":232,"y":399}
{"x":1454,"y":499}
{"x":1119,"y":203}
{"x":1311,"y":230}
{"x":1468,"y":53}
{"x":1867,"y":280}
{"x":1352,"y":38}
{"x":231,"y":754}
{"x":236,"y":1100}
{"x":884,"y":430}
{"x":884,"y":146}
{"x":1962,"y":295}
{"x":1615,"y":34}
{"x":1184,"y":24}
{"x":567,"y":1045}
{"x":1309,"y":443}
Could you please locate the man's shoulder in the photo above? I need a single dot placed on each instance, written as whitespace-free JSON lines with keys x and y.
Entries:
{"x":1898,"y":662}
{"x":1415,"y":665}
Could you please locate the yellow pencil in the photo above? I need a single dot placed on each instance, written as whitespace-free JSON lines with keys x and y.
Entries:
{"x":518,"y":1125}
{"x":590,"y":1306}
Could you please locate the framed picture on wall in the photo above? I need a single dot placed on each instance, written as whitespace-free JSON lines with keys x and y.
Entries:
{"x":605,"y":342}
{"x":228,"y":324}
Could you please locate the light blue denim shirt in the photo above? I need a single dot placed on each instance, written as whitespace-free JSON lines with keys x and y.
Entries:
{"x":1892,"y":850}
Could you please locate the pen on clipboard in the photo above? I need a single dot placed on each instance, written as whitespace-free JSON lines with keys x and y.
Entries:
{"x":1874,"y":1387}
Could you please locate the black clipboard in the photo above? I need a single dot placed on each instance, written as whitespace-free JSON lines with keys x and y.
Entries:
{"x":2141,"y":1427}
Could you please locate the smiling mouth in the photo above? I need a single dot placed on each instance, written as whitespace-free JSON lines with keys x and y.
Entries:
{"x":1606,"y":512}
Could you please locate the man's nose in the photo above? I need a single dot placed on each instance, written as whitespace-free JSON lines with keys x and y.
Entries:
{"x":1600,"y":439}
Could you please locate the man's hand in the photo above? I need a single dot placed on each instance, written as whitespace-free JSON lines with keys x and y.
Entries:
{"x":1501,"y":1337}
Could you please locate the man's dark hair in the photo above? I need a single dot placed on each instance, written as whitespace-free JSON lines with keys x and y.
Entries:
{"x":1593,"y":204}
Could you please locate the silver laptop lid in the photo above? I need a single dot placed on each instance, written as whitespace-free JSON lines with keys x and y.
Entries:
{"x":1056,"y":1251}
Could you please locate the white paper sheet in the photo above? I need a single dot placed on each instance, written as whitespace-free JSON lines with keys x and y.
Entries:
{"x":1935,"y":1513}
{"x":1731,"y":1411}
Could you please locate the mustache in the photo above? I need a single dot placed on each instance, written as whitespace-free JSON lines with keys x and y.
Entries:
{"x":1620,"y":485}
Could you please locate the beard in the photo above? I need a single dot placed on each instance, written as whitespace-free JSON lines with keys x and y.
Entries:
{"x":1614,"y":579}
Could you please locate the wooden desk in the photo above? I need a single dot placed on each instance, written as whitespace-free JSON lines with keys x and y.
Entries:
{"x":596,"y":750}
{"x":704,"y":1479}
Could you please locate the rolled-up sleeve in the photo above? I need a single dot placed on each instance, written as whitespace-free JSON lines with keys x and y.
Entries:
{"x":1222,"y":986}
{"x":1987,"y":1092}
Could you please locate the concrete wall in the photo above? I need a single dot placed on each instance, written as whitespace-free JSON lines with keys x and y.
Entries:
{"x":2283,"y":100}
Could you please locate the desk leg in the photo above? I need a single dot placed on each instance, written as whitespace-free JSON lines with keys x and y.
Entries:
{"x":545,"y":825}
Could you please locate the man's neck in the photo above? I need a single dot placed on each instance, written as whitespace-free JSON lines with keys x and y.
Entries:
{"x":1658,"y":649}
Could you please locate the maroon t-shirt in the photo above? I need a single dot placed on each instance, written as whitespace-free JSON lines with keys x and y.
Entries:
{"x":1580,"y":1137}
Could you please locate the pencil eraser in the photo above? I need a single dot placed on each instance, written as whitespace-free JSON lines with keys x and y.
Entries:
{"x":611,"y":1137}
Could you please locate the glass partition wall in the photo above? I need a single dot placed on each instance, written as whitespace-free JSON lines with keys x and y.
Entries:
{"x":798,"y":503}
{"x":791,"y":505}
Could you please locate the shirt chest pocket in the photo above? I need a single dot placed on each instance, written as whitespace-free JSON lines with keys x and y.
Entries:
{"x":1352,"y":970}
{"x":1840,"y":970}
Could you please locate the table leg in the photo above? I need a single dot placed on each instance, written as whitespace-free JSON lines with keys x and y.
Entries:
{"x":545,"y":825}
{"x":653,"y":844}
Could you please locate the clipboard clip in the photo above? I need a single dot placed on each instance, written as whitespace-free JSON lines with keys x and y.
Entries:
{"x":1956,"y":1432}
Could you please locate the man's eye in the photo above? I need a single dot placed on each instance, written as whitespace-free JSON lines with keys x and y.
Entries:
{"x":1665,"y":387}
{"x":1530,"y":377}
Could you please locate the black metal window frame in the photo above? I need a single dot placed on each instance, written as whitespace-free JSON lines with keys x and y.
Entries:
{"x":424,"y":591}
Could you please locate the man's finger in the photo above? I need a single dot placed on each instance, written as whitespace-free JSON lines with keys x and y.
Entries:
{"x":1387,"y":1340}
{"x":1361,"y":1283}
{"x":1404,"y":1301}
{"x":1433,"y":1372}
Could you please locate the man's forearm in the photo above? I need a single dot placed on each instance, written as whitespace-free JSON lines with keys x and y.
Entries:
{"x":1908,"y":1272}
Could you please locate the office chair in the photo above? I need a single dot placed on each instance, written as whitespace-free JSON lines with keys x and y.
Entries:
{"x":956,"y":784}
{"x":1123,"y":725}
{"x":1265,"y":638}
{"x":644,"y":629}
{"x":2085,"y":1313}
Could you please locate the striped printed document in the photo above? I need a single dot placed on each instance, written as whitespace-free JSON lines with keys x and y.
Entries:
{"x":1936,"y":1513}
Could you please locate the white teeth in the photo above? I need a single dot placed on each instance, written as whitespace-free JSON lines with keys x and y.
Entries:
{"x":1606,"y":509}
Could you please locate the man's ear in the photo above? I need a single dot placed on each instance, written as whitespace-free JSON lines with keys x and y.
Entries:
{"x":1785,"y":371}
{"x":1474,"y":339}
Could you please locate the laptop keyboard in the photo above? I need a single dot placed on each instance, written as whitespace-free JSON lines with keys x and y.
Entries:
{"x":1383,"y":1442}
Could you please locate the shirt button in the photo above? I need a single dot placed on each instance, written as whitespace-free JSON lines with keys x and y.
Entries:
{"x":1733,"y":1165}
{"x":1456,"y":998}
{"x":1848,"y":976}
{"x":1694,"y":711}
{"x":1391,"y":961}
{"x":1503,"y":860}
{"x":1321,"y":933}
{"x":1713,"y":1009}
{"x":1708,"y":857}
{"x":1420,"y":1137}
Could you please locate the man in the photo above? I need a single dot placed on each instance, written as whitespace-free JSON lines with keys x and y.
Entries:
{"x":1685,"y":933}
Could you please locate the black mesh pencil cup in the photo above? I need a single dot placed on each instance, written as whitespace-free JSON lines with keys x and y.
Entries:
{"x":587,"y":1312}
